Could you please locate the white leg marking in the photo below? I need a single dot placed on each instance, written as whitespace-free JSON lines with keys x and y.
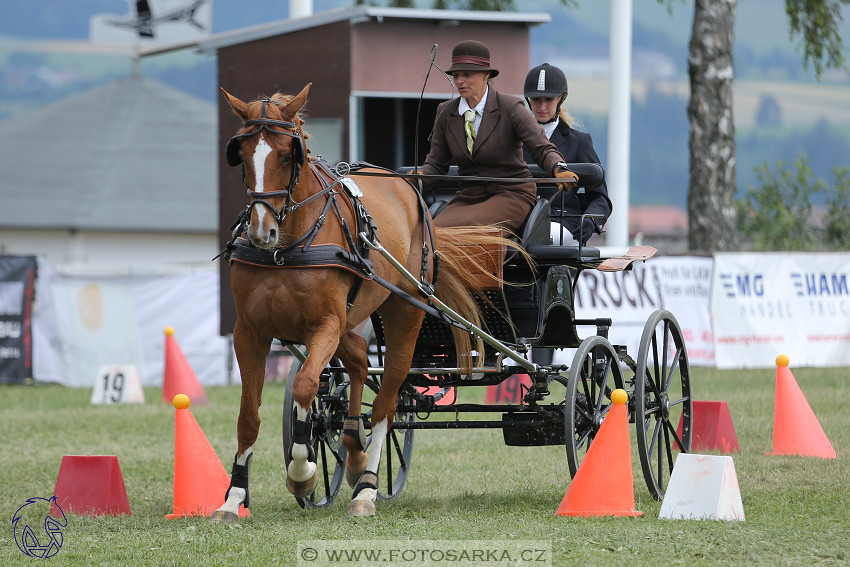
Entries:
{"x":237,"y":495}
{"x":379,"y":433}
{"x":261,"y":152}
{"x":300,"y":469}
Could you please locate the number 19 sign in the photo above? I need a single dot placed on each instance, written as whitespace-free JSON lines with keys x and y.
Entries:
{"x":117,"y":384}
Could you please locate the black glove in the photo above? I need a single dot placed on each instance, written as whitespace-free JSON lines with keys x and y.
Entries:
{"x":587,"y":229}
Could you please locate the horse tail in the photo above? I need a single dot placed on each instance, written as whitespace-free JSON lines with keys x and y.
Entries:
{"x":464,"y":275}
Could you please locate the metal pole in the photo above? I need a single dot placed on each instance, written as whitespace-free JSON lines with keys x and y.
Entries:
{"x":619,"y":121}
{"x":300,"y":8}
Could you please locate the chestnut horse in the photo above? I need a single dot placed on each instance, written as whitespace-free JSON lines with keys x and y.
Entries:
{"x":298,"y":211}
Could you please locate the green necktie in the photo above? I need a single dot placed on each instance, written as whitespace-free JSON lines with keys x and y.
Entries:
{"x":469,"y":119}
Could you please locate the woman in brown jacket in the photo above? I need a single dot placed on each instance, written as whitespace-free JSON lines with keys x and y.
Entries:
{"x":490,"y":146}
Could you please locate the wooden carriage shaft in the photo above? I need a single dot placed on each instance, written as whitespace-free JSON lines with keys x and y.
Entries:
{"x":470,"y":327}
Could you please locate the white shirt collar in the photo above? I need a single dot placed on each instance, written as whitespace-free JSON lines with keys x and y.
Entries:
{"x":479,"y":108}
{"x":549,"y":128}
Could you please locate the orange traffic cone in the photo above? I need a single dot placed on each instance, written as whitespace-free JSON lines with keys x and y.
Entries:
{"x":200,"y":480}
{"x":796,"y":430}
{"x":603,"y":484}
{"x":179,"y":377}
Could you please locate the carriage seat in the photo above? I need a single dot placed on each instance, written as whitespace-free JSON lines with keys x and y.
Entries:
{"x":534,"y":234}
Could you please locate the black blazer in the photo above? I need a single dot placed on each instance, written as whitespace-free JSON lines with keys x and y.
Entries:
{"x":576,"y":147}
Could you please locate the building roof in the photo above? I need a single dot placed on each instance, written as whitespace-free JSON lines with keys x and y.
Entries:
{"x":133,"y":155}
{"x":354,"y":15}
{"x":656,"y":220}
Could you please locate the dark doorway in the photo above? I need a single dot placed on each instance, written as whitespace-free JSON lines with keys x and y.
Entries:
{"x":390,"y":130}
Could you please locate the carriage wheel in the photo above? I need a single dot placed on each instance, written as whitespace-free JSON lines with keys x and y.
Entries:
{"x":594,"y":374}
{"x":397,"y":451}
{"x":662,"y":399}
{"x":329,"y":410}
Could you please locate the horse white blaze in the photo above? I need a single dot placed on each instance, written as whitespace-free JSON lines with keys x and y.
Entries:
{"x":261,"y":152}
{"x":300,"y":468}
{"x":379,"y":433}
{"x":237,"y":495}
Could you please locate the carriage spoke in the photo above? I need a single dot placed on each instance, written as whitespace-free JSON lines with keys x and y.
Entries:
{"x":660,"y":461}
{"x":672,"y":431}
{"x":389,"y":464}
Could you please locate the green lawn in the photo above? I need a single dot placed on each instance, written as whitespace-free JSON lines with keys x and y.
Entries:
{"x":463,"y":486}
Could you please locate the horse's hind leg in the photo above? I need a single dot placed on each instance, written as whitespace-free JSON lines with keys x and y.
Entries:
{"x":401,"y":327}
{"x":353,"y":353}
{"x":302,"y":474}
{"x":252,"y":363}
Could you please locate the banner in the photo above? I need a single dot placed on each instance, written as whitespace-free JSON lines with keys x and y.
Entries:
{"x":679,"y":284}
{"x":17,"y":288}
{"x":82,"y":323}
{"x":770,"y":303}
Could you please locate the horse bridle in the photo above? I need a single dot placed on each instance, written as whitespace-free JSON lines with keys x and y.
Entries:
{"x":299,"y":153}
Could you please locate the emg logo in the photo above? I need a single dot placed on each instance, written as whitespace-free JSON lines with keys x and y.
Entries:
{"x":37,"y":533}
{"x":743,"y":285}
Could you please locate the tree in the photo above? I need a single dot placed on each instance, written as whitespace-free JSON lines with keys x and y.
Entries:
{"x":780,"y":213}
{"x":711,"y":189}
{"x":816,"y":21}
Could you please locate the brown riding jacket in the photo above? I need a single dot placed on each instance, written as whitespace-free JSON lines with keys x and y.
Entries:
{"x":505,"y":126}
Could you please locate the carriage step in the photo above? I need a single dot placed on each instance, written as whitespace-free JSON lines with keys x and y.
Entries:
{"x":635,"y":253}
{"x":531,"y":430}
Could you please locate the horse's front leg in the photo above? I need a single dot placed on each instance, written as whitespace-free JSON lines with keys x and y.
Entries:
{"x":251,"y":356}
{"x":301,"y":474}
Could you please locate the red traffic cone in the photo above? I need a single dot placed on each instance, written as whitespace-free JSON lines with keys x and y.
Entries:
{"x":91,"y":484}
{"x":796,"y":430}
{"x":603,"y":484}
{"x":179,"y":377}
{"x":200,"y":480}
{"x":712,"y":428}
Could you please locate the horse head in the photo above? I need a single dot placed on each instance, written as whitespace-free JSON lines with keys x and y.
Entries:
{"x":270,"y":147}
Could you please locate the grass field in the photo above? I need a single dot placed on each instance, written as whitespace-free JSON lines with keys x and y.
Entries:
{"x":464,"y":485}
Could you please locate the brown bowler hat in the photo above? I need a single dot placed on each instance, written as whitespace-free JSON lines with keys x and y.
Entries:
{"x":471,"y":56}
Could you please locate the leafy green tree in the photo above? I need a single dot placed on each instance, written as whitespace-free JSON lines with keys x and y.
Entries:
{"x":712,"y":144}
{"x":780,"y":213}
{"x":817,"y":22}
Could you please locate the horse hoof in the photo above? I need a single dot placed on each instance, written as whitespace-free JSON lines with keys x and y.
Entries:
{"x":302,"y":488}
{"x":223,"y":517}
{"x":352,"y":477}
{"x":361,"y":508}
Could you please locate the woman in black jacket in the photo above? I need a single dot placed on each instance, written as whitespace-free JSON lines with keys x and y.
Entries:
{"x":545,"y":90}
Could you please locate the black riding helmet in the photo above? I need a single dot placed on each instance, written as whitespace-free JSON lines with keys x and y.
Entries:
{"x":546,"y":81}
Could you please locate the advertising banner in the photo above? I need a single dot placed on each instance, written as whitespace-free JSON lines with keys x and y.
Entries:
{"x":679,"y":284}
{"x":770,"y":303}
{"x":17,"y":288}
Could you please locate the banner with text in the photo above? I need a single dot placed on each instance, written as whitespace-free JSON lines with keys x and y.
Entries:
{"x":17,"y":287}
{"x":770,"y":303}
{"x":679,"y":284}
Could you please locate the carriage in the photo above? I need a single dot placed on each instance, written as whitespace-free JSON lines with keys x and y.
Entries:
{"x":534,"y":309}
{"x":525,"y":301}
